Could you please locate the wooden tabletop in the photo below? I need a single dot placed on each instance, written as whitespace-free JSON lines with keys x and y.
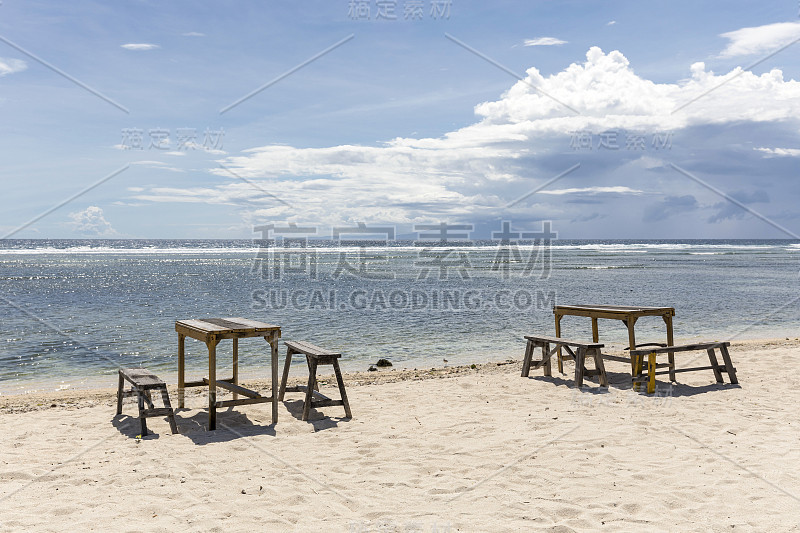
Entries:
{"x":621,"y":309}
{"x":222,"y":327}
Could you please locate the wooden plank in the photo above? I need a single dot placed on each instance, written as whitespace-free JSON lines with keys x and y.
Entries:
{"x":181,"y":370}
{"x":692,"y":369}
{"x":235,"y":363}
{"x":566,"y":342}
{"x":212,"y":384}
{"x":613,"y":308}
{"x":243,"y":401}
{"x":526,"y":361}
{"x":728,"y":363}
{"x":682,"y":348}
{"x":307,"y":348}
{"x":254,"y":324}
{"x":141,"y":378}
{"x":235,"y":388}
{"x":326,"y":403}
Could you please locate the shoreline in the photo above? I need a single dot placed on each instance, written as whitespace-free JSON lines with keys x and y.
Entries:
{"x":89,"y":397}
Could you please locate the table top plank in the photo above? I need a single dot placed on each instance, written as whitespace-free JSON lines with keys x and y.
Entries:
{"x":613,"y":309}
{"x":226,"y":325}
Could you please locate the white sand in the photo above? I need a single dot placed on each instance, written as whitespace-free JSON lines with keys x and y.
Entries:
{"x":478,"y":450}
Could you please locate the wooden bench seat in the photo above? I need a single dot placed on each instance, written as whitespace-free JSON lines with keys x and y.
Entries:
{"x":142,"y":383}
{"x":581,"y":352}
{"x":638,"y":361}
{"x":315,"y":356}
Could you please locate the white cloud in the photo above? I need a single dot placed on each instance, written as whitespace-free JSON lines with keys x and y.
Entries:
{"x":139,"y":46}
{"x":594,"y":190}
{"x":760,"y":39}
{"x":476,"y":170}
{"x":91,"y":221}
{"x":780,"y":152}
{"x":611,"y":23}
{"x":10,"y":66}
{"x":193,"y":34}
{"x":544,"y":41}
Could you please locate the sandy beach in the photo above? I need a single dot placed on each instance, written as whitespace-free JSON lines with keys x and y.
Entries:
{"x":448,"y":449}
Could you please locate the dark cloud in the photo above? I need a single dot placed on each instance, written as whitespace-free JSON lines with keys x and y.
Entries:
{"x":671,"y":205}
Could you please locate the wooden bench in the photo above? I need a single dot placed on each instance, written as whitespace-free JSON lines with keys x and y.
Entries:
{"x":637,"y":357}
{"x":315,"y":356}
{"x":142,"y":383}
{"x":579,"y":355}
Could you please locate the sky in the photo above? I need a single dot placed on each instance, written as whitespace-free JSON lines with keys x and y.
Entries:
{"x":199,"y":120}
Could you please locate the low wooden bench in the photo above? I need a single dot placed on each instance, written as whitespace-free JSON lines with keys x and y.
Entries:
{"x":638,"y":361}
{"x":142,"y":383}
{"x":315,"y":356}
{"x":579,"y":355}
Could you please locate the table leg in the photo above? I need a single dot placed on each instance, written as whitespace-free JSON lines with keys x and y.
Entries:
{"x":630,"y":322}
{"x":668,"y":321}
{"x":235,"y":365}
{"x":273,"y":343}
{"x":651,"y":373}
{"x":558,"y":334}
{"x":595,"y":333}
{"x":212,"y":383}
{"x":181,"y":371}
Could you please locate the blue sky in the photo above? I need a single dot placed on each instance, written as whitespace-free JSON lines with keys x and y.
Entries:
{"x":400,"y":124}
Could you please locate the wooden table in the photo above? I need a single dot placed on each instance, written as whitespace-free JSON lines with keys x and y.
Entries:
{"x":211,"y":331}
{"x":627,"y":314}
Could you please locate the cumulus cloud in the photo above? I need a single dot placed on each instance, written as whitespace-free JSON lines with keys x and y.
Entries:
{"x":593,"y":190}
{"x":10,"y":66}
{"x":140,"y":46}
{"x":91,"y":221}
{"x":760,"y":39}
{"x":517,"y":142}
{"x":544,"y":41}
{"x":780,"y":152}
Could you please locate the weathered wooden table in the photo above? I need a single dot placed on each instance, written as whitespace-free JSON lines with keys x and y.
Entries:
{"x":627,"y":314}
{"x":211,"y":331}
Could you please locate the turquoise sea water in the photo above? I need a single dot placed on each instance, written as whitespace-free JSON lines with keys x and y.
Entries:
{"x":71,"y":311}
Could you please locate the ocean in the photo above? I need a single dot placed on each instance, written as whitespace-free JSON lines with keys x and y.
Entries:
{"x":71,"y":311}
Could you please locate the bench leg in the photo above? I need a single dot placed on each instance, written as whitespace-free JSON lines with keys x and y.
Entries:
{"x":548,"y":366}
{"x":171,"y":416}
{"x":580,"y":356}
{"x":636,"y":363}
{"x":308,"y":362}
{"x":598,"y":363}
{"x":119,"y":393}
{"x":526,"y":362}
{"x":713,"y":358}
{"x":140,"y":396}
{"x":558,"y":334}
{"x":651,"y":373}
{"x":312,"y":379}
{"x":728,"y":364}
{"x":285,"y":377}
{"x":342,"y":392}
